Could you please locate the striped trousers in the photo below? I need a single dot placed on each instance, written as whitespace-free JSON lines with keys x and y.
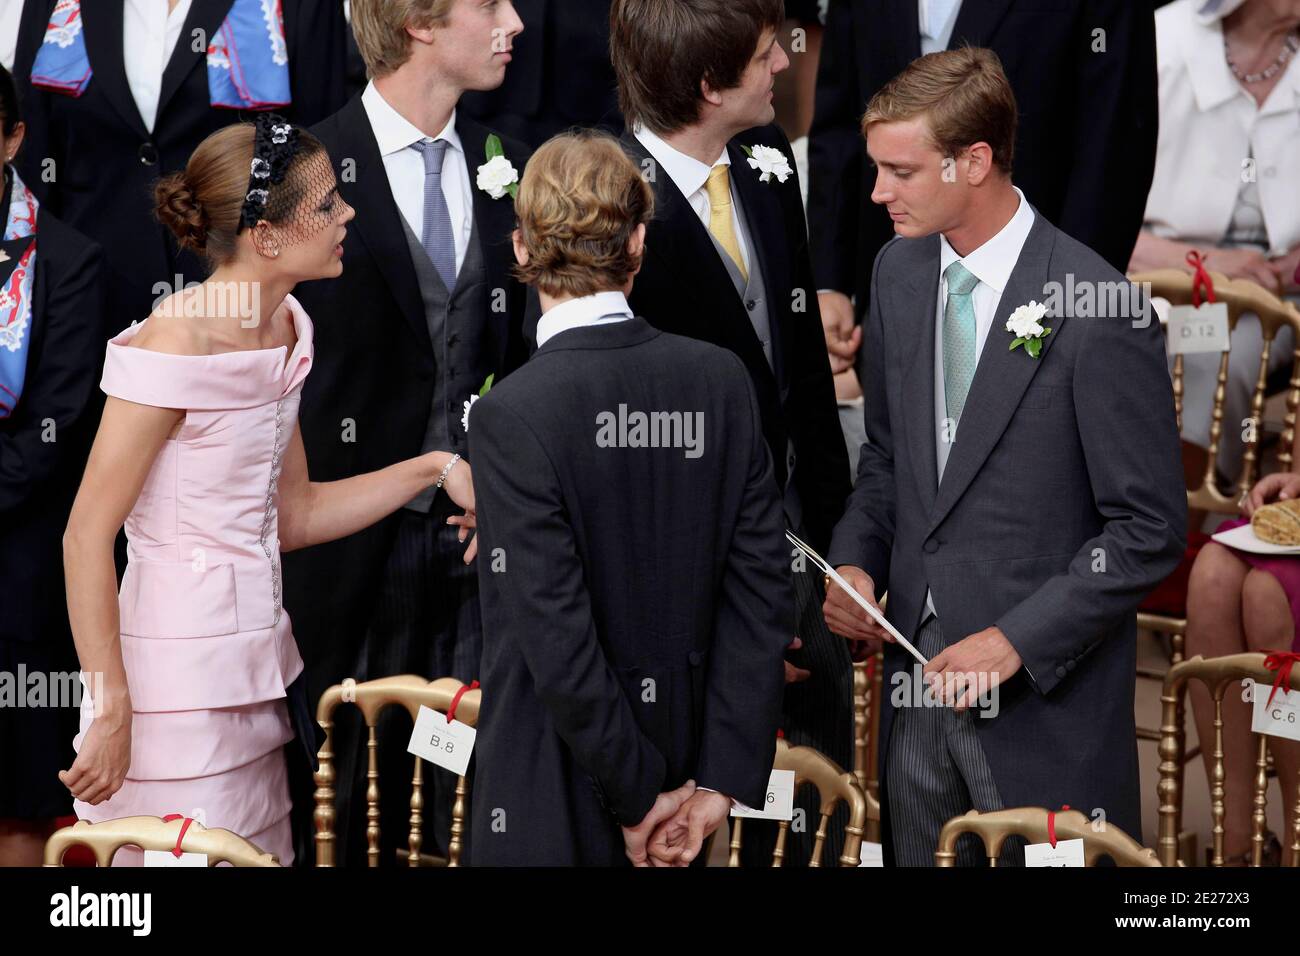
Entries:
{"x":936,"y":770}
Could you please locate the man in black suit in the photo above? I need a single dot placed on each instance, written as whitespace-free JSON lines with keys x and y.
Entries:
{"x":635,"y":591}
{"x":425,"y":312}
{"x":1084,"y":75}
{"x":561,"y":75}
{"x":727,"y":262}
{"x":93,"y":159}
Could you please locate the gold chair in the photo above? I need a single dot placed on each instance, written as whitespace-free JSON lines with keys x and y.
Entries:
{"x":153,"y":833}
{"x":1218,"y":674}
{"x":372,"y":698}
{"x":1204,"y":494}
{"x":833,"y":786}
{"x":994,"y":827}
{"x":866,"y":736}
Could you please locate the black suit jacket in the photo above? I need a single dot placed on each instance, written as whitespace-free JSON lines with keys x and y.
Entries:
{"x":374,"y":373}
{"x":684,"y":288}
{"x":636,"y":601}
{"x":560,"y":75}
{"x":39,"y":478}
{"x":104,"y":160}
{"x":1086,"y":144}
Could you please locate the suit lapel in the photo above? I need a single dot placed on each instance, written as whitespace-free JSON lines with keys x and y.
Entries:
{"x":378,"y":221}
{"x":102,"y":25}
{"x":916,"y":339}
{"x":1001,"y":376}
{"x":977,"y":20}
{"x":906,"y":22}
{"x":679,"y":238}
{"x":762,"y":210}
{"x":204,"y":15}
{"x":494,"y":220}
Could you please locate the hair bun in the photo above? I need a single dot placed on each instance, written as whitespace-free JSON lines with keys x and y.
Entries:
{"x":177,"y":208}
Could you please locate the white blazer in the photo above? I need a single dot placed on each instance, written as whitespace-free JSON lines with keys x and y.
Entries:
{"x":1209,"y":125}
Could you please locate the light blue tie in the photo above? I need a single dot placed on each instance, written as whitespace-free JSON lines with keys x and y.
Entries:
{"x":958,"y":338}
{"x":437,"y":236}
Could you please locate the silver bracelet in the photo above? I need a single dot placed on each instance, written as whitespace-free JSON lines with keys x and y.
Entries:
{"x":446,"y":471}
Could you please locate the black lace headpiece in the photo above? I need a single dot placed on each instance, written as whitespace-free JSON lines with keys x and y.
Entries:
{"x":275,"y":144}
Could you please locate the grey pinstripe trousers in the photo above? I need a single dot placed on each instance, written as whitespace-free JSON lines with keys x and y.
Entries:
{"x":936,"y":770}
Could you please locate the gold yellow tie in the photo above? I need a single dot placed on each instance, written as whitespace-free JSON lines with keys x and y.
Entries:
{"x":721,"y":224}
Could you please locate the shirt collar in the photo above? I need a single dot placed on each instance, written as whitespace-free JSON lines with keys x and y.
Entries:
{"x":589,"y":310}
{"x":993,"y":262}
{"x":393,"y":131}
{"x":686,"y":172}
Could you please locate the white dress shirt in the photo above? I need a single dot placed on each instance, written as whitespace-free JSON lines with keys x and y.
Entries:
{"x":992,"y":264}
{"x":690,"y":175}
{"x":1208,"y":125}
{"x":937,"y":18}
{"x":11,"y":13}
{"x":149,"y":35}
{"x":404,"y":165}
{"x":599,"y":309}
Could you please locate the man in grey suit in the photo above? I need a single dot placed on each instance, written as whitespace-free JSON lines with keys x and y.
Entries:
{"x":1020,"y":490}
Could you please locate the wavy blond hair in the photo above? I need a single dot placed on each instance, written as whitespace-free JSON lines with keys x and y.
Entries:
{"x":580,"y":201}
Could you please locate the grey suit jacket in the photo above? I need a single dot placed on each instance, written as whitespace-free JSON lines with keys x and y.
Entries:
{"x":1061,"y":506}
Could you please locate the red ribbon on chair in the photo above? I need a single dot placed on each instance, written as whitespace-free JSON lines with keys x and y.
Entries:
{"x":455,"y":701}
{"x":176,"y":850}
{"x":1051,"y":824}
{"x":1200,"y":279}
{"x":1282,"y":662}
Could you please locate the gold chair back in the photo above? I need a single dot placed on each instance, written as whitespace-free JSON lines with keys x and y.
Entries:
{"x":834,"y":786}
{"x":153,"y":833}
{"x":866,"y":736}
{"x":1242,"y":296}
{"x":1219,"y":674}
{"x":994,"y":827}
{"x":372,"y":698}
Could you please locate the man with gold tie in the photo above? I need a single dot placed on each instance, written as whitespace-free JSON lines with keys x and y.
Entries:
{"x":727,"y":262}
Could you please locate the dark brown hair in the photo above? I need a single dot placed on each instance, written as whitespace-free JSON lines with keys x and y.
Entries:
{"x":965,"y":96}
{"x":202,"y":204}
{"x":663,"y":49}
{"x":580,"y":201}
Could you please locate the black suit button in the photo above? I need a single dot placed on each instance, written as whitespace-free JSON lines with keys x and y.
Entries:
{"x":751,"y":304}
{"x":1061,"y":671}
{"x":1069,"y":665}
{"x":930,"y":547}
{"x":789,"y":462}
{"x":451,"y":339}
{"x":148,"y":154}
{"x":695,"y":657}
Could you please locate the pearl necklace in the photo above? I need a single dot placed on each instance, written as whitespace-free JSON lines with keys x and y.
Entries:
{"x":1289,"y":48}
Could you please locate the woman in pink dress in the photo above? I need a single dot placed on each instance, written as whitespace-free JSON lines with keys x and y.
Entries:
{"x":192,"y":669}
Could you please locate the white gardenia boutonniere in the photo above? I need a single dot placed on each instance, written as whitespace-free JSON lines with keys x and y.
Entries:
{"x":498,"y":175}
{"x":768,"y":161}
{"x":469,"y":402}
{"x":1025,"y":326}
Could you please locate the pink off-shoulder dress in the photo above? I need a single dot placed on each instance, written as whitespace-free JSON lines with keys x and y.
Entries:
{"x":208,"y":648}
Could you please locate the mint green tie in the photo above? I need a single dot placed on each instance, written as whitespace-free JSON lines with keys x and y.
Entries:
{"x":958,"y":338}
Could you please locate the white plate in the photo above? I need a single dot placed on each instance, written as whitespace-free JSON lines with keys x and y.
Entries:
{"x":1244,"y":539}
